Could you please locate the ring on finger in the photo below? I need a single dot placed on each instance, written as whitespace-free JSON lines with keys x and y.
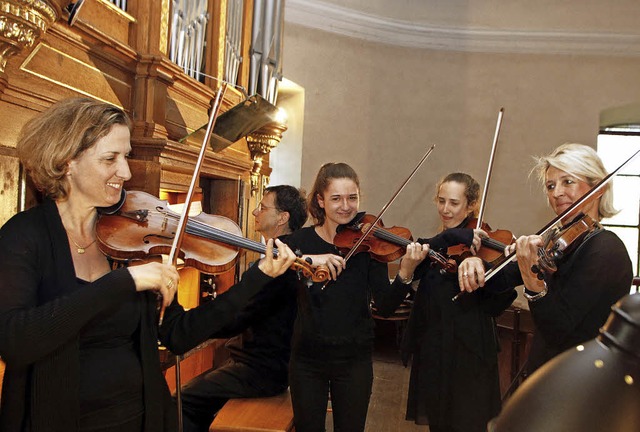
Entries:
{"x":465,"y":274}
{"x":170,"y":283}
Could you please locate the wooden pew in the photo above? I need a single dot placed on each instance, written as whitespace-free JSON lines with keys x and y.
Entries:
{"x":270,"y":414}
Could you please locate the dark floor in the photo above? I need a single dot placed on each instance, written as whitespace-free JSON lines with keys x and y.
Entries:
{"x":390,"y":385}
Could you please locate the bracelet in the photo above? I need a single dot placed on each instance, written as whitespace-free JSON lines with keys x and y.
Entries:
{"x":536,"y":296}
{"x":405,"y":281}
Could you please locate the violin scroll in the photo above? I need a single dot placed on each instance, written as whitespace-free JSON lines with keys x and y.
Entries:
{"x":560,"y":242}
{"x":316,"y":274}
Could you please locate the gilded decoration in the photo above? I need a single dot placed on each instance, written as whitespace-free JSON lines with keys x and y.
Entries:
{"x":164,"y":27}
{"x":260,"y":144}
{"x":22,"y":23}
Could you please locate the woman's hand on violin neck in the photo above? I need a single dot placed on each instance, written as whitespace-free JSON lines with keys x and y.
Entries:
{"x":471,"y":274}
{"x":275,"y":266}
{"x":414,"y":255}
{"x":335,"y":263}
{"x":476,"y":243}
{"x":527,"y":256}
{"x":509,"y":249}
{"x":163,"y":278}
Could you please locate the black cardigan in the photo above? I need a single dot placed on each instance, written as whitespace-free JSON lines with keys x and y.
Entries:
{"x":41,"y":317}
{"x":580,"y":295}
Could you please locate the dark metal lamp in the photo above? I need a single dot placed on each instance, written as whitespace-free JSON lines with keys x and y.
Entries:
{"x":594,"y":387}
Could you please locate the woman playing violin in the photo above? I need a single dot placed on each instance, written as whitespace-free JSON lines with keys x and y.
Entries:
{"x":333,"y":334}
{"x":454,"y":382}
{"x":80,"y":339}
{"x":569,"y":305}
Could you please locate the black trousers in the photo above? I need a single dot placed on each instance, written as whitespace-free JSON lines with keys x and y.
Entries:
{"x":348,"y":380}
{"x":204,"y":395}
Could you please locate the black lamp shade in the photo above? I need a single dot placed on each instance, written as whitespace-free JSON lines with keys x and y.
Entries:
{"x":594,"y":387}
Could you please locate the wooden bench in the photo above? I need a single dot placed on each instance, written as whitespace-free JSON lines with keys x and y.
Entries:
{"x":270,"y":414}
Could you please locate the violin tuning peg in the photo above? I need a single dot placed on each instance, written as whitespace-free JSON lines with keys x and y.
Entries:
{"x":298,"y":253}
{"x":535,"y":269}
{"x":308,"y":260}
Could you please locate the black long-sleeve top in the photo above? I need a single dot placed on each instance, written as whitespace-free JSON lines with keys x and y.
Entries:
{"x":266,"y":318}
{"x":42,"y":314}
{"x":336,"y":321}
{"x":267,"y":323}
{"x":580,"y":295}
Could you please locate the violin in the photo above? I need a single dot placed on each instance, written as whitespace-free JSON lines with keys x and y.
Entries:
{"x":560,"y":242}
{"x":492,"y":248}
{"x":144,"y":225}
{"x":384,"y":244}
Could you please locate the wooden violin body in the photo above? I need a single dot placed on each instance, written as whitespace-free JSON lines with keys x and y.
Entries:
{"x":492,"y":249}
{"x":560,"y":242}
{"x":384,"y":244}
{"x":145,"y":226}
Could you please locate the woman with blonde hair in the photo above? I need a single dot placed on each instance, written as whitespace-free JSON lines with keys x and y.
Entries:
{"x":569,"y":305}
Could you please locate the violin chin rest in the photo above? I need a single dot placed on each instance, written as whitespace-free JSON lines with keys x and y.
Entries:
{"x":114,"y":208}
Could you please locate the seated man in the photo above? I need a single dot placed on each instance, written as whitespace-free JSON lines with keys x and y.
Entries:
{"x":258,"y":366}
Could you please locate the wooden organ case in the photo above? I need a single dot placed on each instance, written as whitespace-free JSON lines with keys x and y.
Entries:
{"x":148,"y":58}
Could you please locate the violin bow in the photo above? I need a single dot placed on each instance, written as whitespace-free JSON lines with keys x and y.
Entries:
{"x":586,"y":197}
{"x":384,"y":209}
{"x":182,"y":224}
{"x":483,"y":200}
{"x":386,"y":206}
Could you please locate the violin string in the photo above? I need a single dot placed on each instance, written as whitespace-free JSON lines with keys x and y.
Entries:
{"x":213,"y":233}
{"x":494,"y":244}
{"x":391,"y":237}
{"x":394,"y":238}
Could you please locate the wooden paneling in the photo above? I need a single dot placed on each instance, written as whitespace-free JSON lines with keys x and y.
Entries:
{"x":118,"y":25}
{"x":515,"y":330}
{"x":194,"y":363}
{"x":9,"y":187}
{"x":74,"y":73}
{"x":189,"y":288}
{"x":1,"y":376}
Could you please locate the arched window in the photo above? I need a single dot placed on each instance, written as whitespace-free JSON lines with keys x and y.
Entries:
{"x":618,"y":139}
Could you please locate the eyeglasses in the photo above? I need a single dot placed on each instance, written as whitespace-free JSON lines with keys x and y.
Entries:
{"x":261,"y":207}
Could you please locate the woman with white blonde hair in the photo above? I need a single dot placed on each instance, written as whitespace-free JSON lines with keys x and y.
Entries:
{"x":582,"y":162}
{"x":568,"y":305}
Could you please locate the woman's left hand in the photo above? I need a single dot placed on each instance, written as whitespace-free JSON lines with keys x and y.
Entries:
{"x":476,"y":243}
{"x":415,"y":254}
{"x":334,"y":263}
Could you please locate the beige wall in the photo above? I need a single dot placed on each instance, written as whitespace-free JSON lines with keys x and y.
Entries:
{"x":379,"y":108}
